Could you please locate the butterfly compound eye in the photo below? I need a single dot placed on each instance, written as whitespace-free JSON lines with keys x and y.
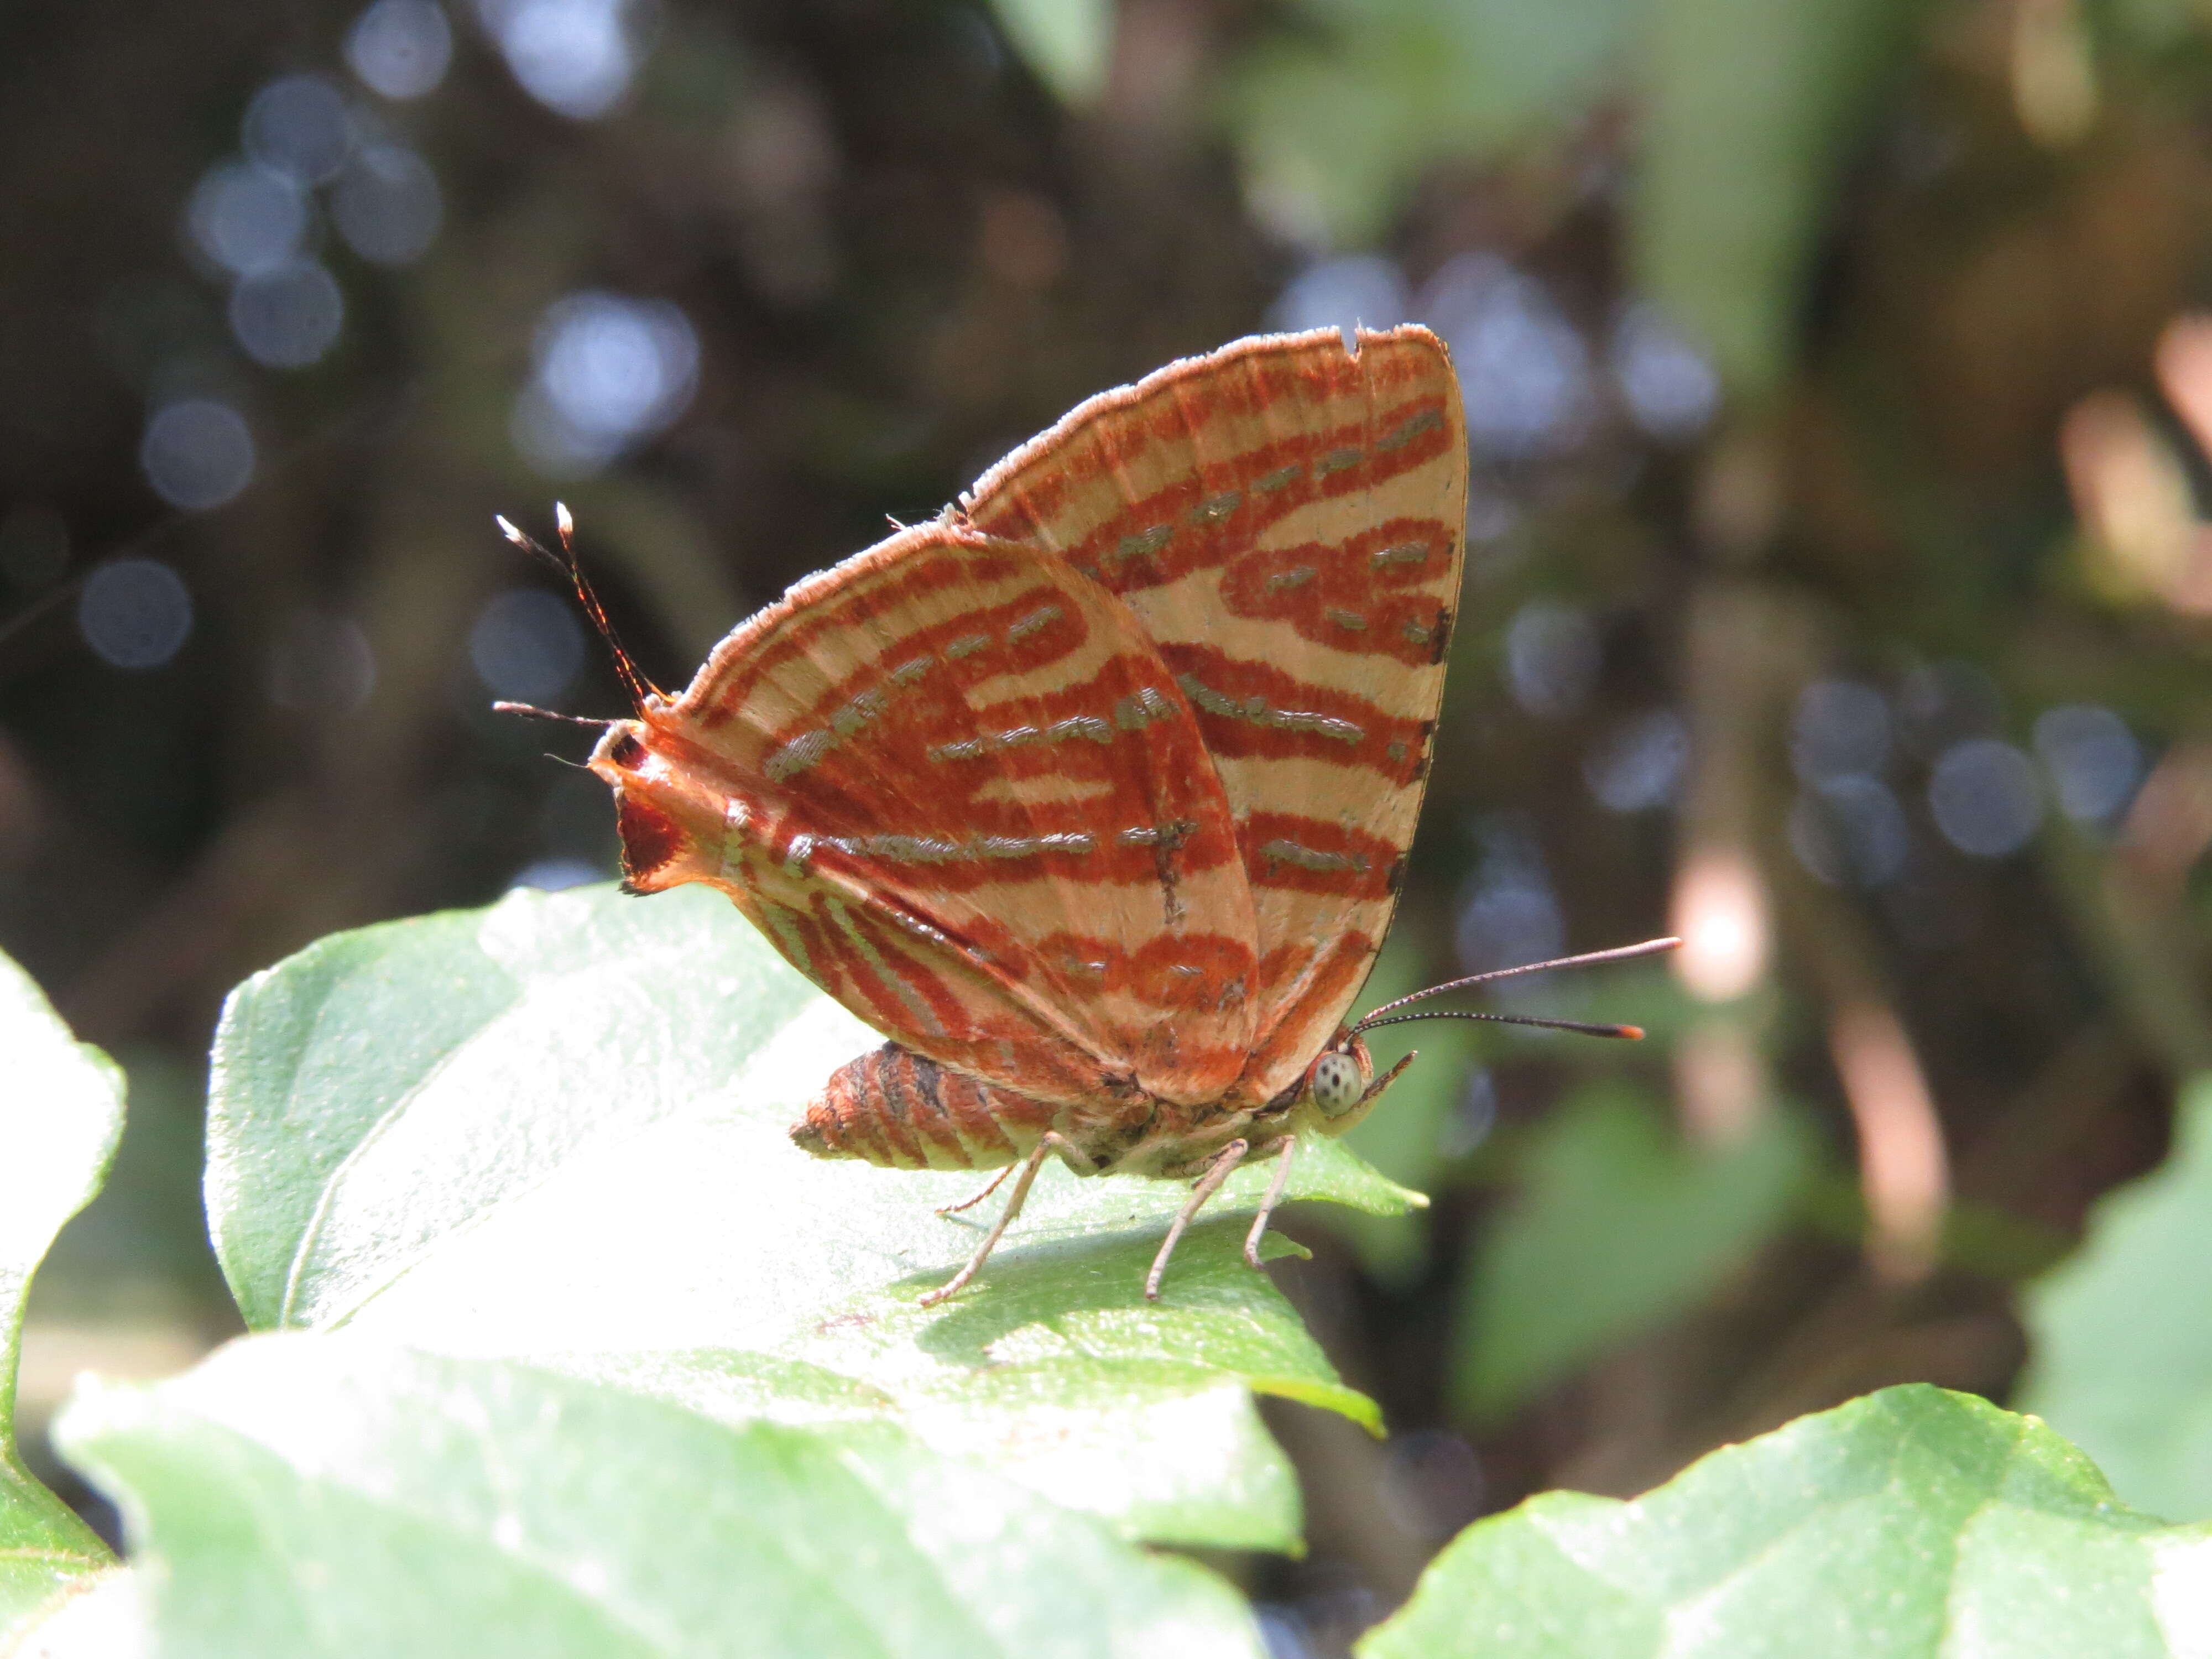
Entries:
{"x":627,"y":751}
{"x":1337,"y":1085}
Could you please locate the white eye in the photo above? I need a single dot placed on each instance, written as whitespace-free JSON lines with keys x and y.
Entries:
{"x":1336,"y":1084}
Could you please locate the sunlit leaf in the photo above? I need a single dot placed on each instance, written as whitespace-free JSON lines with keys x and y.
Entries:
{"x":1751,"y":111}
{"x":1618,"y":1227}
{"x":60,"y":1114}
{"x":2120,"y":1355}
{"x":323,"y":1495}
{"x":1911,"y":1522}
{"x":1069,"y":43}
{"x":557,"y":1128}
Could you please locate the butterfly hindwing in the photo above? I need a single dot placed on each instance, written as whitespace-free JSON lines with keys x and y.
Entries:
{"x":1286,"y":519}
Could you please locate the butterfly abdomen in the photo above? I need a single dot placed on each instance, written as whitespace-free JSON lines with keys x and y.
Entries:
{"x":895,"y":1108}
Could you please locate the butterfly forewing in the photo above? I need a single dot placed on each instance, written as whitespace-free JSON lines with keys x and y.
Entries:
{"x":1286,"y":519}
{"x":955,"y":783}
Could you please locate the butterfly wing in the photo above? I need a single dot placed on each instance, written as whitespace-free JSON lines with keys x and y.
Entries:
{"x":1286,"y":520}
{"x":953,"y":781}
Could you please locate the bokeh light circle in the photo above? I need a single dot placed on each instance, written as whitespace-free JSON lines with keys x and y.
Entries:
{"x":1670,"y":390}
{"x":400,"y":48}
{"x":321,"y":663}
{"x":197,"y":454}
{"x":287,"y":317}
{"x":1358,"y":289}
{"x":1839,"y":728}
{"x":386,"y":204}
{"x":1985,"y":798}
{"x":135,"y":613}
{"x":2094,"y":760}
{"x":611,"y":370}
{"x":1553,"y":656}
{"x":1523,"y":369}
{"x":1850,"y":830}
{"x":527,"y":645}
{"x":297,"y":125}
{"x":1639,"y":763}
{"x":573,"y":56}
{"x":246,"y":219}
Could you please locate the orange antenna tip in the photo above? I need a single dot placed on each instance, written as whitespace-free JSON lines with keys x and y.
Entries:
{"x":564,"y":520}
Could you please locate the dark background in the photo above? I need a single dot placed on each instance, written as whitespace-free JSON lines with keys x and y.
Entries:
{"x":1836,"y":595}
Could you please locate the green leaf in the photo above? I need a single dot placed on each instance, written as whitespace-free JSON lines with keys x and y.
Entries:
{"x":1911,"y":1522}
{"x":1620,"y":1227}
{"x":1069,"y":44}
{"x":557,"y":1128}
{"x":1751,"y":111}
{"x":61,"y":1114}
{"x":1340,"y":122}
{"x":322,"y":1495}
{"x":2120,"y":1348}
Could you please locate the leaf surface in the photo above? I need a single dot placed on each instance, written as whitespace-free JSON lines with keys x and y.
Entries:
{"x":579,"y":1155}
{"x":1911,"y":1522}
{"x":61,"y":1114}
{"x":324,"y":1494}
{"x":2121,"y":1351}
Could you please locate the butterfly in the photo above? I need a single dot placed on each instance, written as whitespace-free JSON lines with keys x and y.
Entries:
{"x":1093,"y":794}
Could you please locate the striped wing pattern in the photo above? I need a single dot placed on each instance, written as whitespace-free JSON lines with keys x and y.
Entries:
{"x":1097,"y":789}
{"x":955,"y":782}
{"x":1286,"y":519}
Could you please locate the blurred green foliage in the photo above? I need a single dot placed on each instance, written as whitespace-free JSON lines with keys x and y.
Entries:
{"x":1615,"y":1231}
{"x":2122,"y":1355}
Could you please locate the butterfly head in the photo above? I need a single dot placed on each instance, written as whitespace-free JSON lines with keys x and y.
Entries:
{"x":1339,"y":1086}
{"x":671,"y":830}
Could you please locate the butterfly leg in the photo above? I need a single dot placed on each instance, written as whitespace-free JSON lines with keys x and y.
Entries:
{"x":1275,"y":1197}
{"x":1048,"y":1144}
{"x":970,"y":1203}
{"x":1208,"y":1184}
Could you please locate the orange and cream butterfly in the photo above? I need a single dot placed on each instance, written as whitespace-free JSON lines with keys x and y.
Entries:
{"x":1093,"y":794}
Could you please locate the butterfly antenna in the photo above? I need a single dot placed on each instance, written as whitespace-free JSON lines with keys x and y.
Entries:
{"x":1630,"y":1032}
{"x":1650,"y":947}
{"x":566,"y":562}
{"x":538,"y":714}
